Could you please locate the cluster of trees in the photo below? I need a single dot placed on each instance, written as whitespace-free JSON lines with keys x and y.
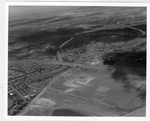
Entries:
{"x":130,"y":58}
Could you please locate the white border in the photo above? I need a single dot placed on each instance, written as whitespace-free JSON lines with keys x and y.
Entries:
{"x":102,"y":1}
{"x":65,"y":3}
{"x":6,"y":117}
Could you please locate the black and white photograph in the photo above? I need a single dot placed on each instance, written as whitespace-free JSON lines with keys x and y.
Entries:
{"x":77,"y":60}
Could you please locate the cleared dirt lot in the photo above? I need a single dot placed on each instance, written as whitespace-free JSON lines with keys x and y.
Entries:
{"x":64,"y":101}
{"x":102,"y":88}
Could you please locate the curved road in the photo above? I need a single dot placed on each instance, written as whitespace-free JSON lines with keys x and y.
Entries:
{"x":141,"y":31}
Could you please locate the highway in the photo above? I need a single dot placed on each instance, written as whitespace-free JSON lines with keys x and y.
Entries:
{"x":26,"y":108}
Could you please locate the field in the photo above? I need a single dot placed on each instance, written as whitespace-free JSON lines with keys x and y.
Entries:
{"x":64,"y":101}
{"x":98,"y":89}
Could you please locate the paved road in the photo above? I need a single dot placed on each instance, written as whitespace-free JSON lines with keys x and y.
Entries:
{"x":42,"y":91}
{"x":23,"y":111}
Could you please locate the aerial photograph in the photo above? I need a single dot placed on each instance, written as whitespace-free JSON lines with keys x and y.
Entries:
{"x":77,"y":61}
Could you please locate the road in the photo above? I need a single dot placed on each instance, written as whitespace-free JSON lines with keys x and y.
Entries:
{"x":71,"y":64}
{"x":59,"y":52}
{"x":23,"y":111}
{"x":98,"y":103}
{"x":48,"y":87}
{"x":65,"y":43}
{"x":19,"y":94}
{"x":141,"y":31}
{"x":81,"y":98}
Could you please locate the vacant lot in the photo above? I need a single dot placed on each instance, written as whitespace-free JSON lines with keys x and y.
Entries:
{"x":102,"y":88}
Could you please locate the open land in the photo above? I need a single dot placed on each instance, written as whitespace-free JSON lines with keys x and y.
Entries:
{"x":81,"y":61}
